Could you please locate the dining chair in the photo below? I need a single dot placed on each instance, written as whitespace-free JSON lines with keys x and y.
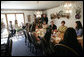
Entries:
{"x":64,"y":50}
{"x":47,"y":48}
{"x":37,"y":46}
{"x":30,"y":41}
{"x":25,"y":34}
{"x":10,"y":47}
{"x":6,"y":49}
{"x":3,"y":50}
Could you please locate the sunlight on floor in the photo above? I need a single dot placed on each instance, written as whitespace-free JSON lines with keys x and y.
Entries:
{"x":4,"y":33}
{"x":15,"y":39}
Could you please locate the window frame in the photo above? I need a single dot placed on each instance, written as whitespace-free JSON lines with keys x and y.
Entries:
{"x":15,"y":18}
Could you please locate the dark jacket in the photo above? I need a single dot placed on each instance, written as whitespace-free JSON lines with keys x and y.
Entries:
{"x":76,"y":47}
{"x":64,"y":51}
{"x":53,"y":28}
{"x":45,"y":19}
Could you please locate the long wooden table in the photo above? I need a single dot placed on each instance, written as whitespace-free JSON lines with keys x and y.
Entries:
{"x":57,"y":38}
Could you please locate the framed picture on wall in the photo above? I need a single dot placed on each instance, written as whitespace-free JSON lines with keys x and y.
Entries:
{"x":53,"y":16}
{"x":78,"y":13}
{"x":29,"y":18}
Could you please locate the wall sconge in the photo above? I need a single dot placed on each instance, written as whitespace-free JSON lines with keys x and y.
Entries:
{"x":68,"y":11}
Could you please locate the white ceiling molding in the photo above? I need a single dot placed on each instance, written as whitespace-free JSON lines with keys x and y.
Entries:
{"x":21,"y":9}
{"x":29,"y":4}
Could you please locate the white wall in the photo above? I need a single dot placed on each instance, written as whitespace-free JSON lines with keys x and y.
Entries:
{"x":69,"y":22}
{"x":26,"y":13}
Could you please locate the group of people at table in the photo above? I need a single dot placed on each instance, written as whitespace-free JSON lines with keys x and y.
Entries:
{"x":62,"y":35}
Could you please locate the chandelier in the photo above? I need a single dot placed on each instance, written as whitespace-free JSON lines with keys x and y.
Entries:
{"x":38,"y":13}
{"x":68,"y":6}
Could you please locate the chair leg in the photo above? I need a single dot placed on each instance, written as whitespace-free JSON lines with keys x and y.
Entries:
{"x":28,"y":44}
{"x":33,"y":49}
{"x":30,"y":47}
{"x":35,"y":52}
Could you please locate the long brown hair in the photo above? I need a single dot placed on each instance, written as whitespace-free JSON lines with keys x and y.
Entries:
{"x":79,"y":25}
{"x":70,"y":36}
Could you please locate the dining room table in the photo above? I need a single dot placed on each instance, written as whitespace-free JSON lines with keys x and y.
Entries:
{"x":56,"y":37}
{"x":39,"y":34}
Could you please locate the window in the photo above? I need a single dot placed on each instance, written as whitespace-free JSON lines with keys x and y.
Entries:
{"x":3,"y":19}
{"x":17,"y":16}
{"x":4,"y":31}
{"x":11,"y":17}
{"x":20,"y":19}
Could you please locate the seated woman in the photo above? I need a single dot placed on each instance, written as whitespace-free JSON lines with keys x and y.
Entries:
{"x":16,"y":24}
{"x":12,"y":28}
{"x":33,"y":26}
{"x":62,"y":28}
{"x":53,"y":26}
{"x":27,"y":27}
{"x":70,"y":42}
{"x":79,"y":29}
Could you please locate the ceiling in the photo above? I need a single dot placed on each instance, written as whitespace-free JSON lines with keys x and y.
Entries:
{"x":42,"y":5}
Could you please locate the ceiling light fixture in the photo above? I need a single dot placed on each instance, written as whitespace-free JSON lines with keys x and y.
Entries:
{"x":38,"y":12}
{"x":67,"y":7}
